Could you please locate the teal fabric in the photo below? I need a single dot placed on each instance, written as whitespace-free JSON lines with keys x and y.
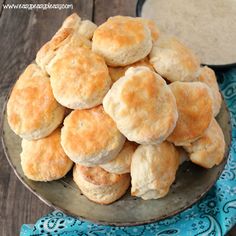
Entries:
{"x":214,"y":215}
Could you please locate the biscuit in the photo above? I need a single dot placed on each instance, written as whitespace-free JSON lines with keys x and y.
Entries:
{"x":208,"y":150}
{"x":90,"y":137}
{"x":87,"y":28}
{"x":118,"y":72}
{"x":142,"y":105}
{"x":172,"y":60}
{"x":73,"y":21}
{"x":61,"y":39}
{"x":122,"y":40}
{"x":153,"y":170}
{"x":79,"y":78}
{"x":155,"y":32}
{"x":207,"y":76}
{"x":32,"y":111}
{"x":194,"y":104}
{"x":69,"y":33}
{"x":121,"y":164}
{"x":100,"y":186}
{"x":44,"y":159}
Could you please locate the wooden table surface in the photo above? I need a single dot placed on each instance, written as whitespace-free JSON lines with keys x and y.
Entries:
{"x":22,"y":32}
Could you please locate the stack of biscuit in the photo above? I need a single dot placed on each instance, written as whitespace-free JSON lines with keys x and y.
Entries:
{"x":122,"y":102}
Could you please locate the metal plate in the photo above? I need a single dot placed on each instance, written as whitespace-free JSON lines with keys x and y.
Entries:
{"x":191,"y":184}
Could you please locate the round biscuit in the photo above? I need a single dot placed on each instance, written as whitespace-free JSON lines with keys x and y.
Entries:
{"x":100,"y":186}
{"x":208,"y":150}
{"x":90,"y":137}
{"x":173,"y":60}
{"x":153,"y":170}
{"x":122,"y":40}
{"x":79,"y":78}
{"x":194,"y":104}
{"x":44,"y":159}
{"x":32,"y":110}
{"x":142,"y":105}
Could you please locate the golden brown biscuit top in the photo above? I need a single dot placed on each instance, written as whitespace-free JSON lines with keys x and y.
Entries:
{"x":208,"y":76}
{"x":208,"y":150}
{"x":211,"y":137}
{"x":90,"y":131}
{"x":67,"y":33}
{"x":120,"y":31}
{"x":132,"y":98}
{"x":183,"y":53}
{"x":68,"y":27}
{"x":146,"y":90}
{"x":31,"y":104}
{"x":60,"y":36}
{"x":152,"y":26}
{"x":117,"y":72}
{"x":194,"y":104}
{"x":99,"y":176}
{"x":71,"y":21}
{"x":78,"y":71}
{"x":45,"y":51}
{"x":40,"y":155}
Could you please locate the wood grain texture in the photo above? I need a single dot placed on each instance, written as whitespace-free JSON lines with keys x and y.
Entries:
{"x":22,"y":34}
{"x":115,"y":7}
{"x":1,"y":6}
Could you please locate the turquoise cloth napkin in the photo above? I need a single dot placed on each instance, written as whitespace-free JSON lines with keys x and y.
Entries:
{"x":214,"y":215}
